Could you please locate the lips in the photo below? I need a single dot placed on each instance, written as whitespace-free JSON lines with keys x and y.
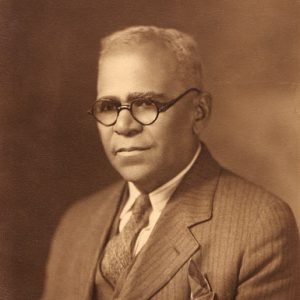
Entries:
{"x":130,"y":149}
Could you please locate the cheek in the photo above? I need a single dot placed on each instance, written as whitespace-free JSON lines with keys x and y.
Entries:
{"x":166,"y":139}
{"x":175,"y":139}
{"x":105,"y":137}
{"x":176,"y":127}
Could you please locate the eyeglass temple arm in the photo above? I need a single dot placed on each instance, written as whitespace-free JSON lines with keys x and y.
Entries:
{"x":166,"y":106}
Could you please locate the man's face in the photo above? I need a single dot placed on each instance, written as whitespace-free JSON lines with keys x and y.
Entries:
{"x":147,"y":155}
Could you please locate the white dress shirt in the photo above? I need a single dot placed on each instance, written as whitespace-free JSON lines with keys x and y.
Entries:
{"x":158,"y":199}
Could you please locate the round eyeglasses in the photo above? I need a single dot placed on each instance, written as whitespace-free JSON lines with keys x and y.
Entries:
{"x":144,"y":110}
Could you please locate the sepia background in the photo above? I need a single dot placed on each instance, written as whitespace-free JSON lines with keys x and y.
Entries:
{"x":50,"y":152}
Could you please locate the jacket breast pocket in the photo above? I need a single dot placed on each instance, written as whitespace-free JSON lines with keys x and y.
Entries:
{"x":198,"y":283}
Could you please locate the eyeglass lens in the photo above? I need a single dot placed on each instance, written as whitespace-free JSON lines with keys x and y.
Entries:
{"x":107,"y":111}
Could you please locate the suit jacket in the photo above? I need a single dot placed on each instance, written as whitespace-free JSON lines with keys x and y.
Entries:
{"x":219,"y":237}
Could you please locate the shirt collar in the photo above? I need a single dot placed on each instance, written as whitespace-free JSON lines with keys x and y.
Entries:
{"x":160,"y":196}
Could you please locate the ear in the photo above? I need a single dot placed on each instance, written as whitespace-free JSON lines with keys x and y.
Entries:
{"x":202,"y":110}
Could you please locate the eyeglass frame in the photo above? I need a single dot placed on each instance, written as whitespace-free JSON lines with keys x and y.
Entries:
{"x":161,"y":107}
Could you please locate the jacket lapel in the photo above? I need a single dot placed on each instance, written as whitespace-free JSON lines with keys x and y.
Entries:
{"x":98,"y":230}
{"x":171,"y":243}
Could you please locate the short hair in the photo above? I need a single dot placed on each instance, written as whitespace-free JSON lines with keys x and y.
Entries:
{"x":182,"y":45}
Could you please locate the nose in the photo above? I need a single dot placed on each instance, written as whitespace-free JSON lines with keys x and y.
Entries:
{"x":126,"y":125}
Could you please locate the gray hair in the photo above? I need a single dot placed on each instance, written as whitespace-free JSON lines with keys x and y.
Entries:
{"x":182,"y":45}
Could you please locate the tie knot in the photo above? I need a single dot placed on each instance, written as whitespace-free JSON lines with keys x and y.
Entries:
{"x":141,"y":204}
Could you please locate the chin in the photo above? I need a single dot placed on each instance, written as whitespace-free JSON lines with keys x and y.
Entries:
{"x":140,"y":176}
{"x":132,"y":173}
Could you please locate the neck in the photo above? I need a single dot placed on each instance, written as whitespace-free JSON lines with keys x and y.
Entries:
{"x":149,"y":185}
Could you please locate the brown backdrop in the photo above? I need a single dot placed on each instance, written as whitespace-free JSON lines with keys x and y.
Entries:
{"x":50,"y":153}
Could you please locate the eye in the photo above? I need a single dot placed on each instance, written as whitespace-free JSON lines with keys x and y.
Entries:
{"x":143,"y":103}
{"x":107,"y":106}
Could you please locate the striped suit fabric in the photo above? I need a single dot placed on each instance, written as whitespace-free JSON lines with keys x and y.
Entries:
{"x":242,"y":241}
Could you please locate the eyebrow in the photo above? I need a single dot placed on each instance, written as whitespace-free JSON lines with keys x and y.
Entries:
{"x":136,"y":95}
{"x":146,"y":95}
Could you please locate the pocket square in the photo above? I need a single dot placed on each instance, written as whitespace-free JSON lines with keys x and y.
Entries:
{"x":199,"y":285}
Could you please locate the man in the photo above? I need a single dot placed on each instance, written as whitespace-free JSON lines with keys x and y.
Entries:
{"x":177,"y":226}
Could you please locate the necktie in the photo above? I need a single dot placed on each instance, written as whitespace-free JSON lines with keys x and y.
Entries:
{"x":118,"y":252}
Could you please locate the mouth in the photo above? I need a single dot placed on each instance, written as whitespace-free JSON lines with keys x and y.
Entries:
{"x":130,"y":151}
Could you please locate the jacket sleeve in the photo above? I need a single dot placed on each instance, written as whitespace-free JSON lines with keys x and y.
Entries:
{"x":271,"y":261}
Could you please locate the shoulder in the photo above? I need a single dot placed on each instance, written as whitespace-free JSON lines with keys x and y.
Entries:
{"x":253,"y":208}
{"x":83,"y":213}
{"x":83,"y":217}
{"x":238,"y":202}
{"x":79,"y":231}
{"x":264,"y":229}
{"x":245,"y":194}
{"x":99,"y":200}
{"x":261,"y":231}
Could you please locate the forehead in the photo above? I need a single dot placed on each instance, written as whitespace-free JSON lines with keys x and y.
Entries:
{"x":145,"y":68}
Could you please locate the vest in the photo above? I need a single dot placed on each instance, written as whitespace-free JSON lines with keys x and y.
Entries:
{"x":102,"y":288}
